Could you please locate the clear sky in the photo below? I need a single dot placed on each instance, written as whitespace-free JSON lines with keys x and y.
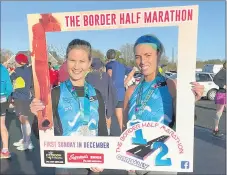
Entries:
{"x":211,"y":28}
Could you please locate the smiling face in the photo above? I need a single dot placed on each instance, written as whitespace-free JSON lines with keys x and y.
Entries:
{"x":78,"y":64}
{"x":147,"y":59}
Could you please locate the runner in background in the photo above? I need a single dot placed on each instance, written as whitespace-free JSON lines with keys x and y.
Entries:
{"x":117,"y":71}
{"x":103,"y":82}
{"x":220,"y":99}
{"x":22,"y":96}
{"x":53,"y":76}
{"x":160,"y":70}
{"x":56,"y":69}
{"x":6,"y":89}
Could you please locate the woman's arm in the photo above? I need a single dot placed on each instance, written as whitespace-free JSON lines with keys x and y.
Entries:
{"x":9,"y":86}
{"x":172,"y":86}
{"x":197,"y":89}
{"x":129,"y":76}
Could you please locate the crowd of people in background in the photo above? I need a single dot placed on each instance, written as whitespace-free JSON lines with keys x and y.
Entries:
{"x":17,"y":91}
{"x":102,"y":88}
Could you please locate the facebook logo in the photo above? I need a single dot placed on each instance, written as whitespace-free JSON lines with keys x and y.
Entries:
{"x":184,"y":164}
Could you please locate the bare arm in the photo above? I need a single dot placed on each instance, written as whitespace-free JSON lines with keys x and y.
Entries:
{"x":109,"y":72}
{"x":172,"y":86}
{"x":129,"y":77}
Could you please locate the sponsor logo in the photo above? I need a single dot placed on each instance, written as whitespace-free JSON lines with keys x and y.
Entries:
{"x":54,"y":157}
{"x":145,"y":145}
{"x":185,"y":165}
{"x":85,"y":158}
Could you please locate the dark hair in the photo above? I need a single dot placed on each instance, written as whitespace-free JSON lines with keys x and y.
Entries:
{"x":149,"y":38}
{"x":224,"y":65}
{"x":80,"y":44}
{"x":111,"y":54}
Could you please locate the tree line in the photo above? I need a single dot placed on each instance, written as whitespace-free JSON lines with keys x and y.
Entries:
{"x":124,"y":55}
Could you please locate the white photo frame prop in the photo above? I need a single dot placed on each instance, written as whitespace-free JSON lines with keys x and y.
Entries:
{"x":113,"y":152}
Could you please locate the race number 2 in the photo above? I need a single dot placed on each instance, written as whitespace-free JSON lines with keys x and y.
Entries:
{"x":139,"y":139}
{"x":164,"y":150}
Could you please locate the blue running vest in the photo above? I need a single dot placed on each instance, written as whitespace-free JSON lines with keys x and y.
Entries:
{"x":159,"y":107}
{"x":74,"y":121}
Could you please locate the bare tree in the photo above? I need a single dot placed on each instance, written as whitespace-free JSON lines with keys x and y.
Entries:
{"x":97,"y":54}
{"x":127,"y":52}
{"x":57,"y":52}
{"x":164,"y":60}
{"x":5,"y":55}
{"x":60,"y":51}
{"x":118,"y":55}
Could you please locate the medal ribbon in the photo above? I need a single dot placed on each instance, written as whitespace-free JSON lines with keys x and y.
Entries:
{"x":84,"y":112}
{"x":141,"y":104}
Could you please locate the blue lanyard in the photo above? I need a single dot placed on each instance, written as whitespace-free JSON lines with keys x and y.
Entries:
{"x":85,"y":111}
{"x":141,"y":104}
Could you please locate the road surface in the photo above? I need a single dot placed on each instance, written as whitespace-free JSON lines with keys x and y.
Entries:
{"x":209,"y":154}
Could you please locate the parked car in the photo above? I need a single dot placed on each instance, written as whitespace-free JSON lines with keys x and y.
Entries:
{"x":169,"y":73}
{"x":212,"y":68}
{"x":205,"y":79}
{"x":199,"y":70}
